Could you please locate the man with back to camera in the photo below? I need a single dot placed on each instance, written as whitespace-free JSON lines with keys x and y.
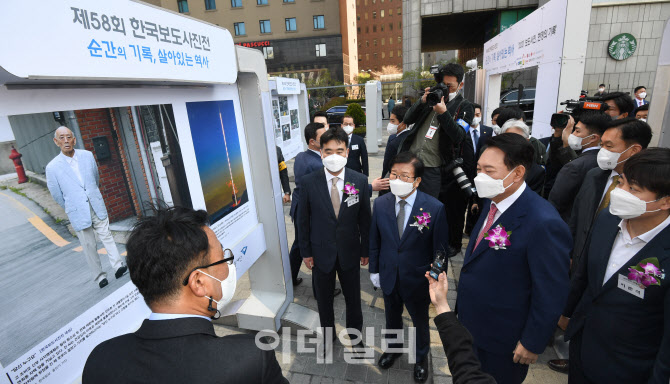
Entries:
{"x":334,"y":223}
{"x":514,"y":279}
{"x":358,"y":152}
{"x":401,"y":251}
{"x":73,"y":181}
{"x":185,"y":277}
{"x":640,"y":96}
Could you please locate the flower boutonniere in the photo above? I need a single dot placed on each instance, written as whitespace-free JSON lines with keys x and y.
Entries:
{"x":646,"y":273}
{"x":352,"y":194}
{"x":421,"y":221}
{"x":498,"y":237}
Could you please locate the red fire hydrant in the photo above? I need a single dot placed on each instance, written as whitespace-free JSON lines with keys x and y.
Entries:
{"x":15,"y":156}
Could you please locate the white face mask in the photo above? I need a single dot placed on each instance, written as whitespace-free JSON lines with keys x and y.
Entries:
{"x":335,"y":162}
{"x":609,"y":160}
{"x":645,"y":120}
{"x":496,"y":129}
{"x":476,"y":121}
{"x":348,"y":129}
{"x":643,"y":95}
{"x":488,"y":187}
{"x":628,"y":206}
{"x":575,"y":142}
{"x":401,"y":188}
{"x":601,"y":89}
{"x":392,"y":129}
{"x":452,"y":95}
{"x":227,"y":287}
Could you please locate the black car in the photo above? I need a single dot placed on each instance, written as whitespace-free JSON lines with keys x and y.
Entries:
{"x":336,"y":114}
{"x":527,"y":103}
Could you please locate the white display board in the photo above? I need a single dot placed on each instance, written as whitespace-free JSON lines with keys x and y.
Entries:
{"x":112,"y":39}
{"x":286,"y":121}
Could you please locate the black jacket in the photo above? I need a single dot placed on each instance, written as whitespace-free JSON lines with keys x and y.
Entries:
{"x":584,"y":210}
{"x":625,"y":338}
{"x":569,"y":180}
{"x":535,"y":178}
{"x":358,"y":155}
{"x":283,"y":172}
{"x":457,"y":344}
{"x":180,"y":351}
{"x":324,"y":237}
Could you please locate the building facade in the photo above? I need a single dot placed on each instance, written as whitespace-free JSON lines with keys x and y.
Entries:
{"x":294,"y":35}
{"x":379,"y":34}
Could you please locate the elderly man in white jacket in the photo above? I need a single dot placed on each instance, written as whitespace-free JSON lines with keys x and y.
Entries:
{"x":72,"y":179}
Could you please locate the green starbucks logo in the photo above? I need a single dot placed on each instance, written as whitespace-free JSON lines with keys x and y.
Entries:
{"x":622,"y":46}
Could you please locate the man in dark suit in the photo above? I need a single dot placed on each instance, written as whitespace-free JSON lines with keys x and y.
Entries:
{"x":640,"y":95}
{"x":185,"y":277}
{"x":536,"y":173}
{"x":334,"y":223}
{"x":622,"y":139}
{"x":619,"y":303}
{"x":358,"y":152}
{"x":401,"y":251}
{"x":396,"y":128}
{"x":304,"y":164}
{"x":479,"y":133}
{"x":585,"y":139}
{"x":514,"y":279}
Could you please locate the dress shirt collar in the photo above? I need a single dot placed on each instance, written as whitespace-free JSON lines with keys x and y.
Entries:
{"x":590,"y":149}
{"x":172,"y":316}
{"x":614,"y":173}
{"x":645,"y":237}
{"x":330,"y":177}
{"x":505,"y":204}
{"x":410,"y":199}
{"x":317,"y":152}
{"x":70,"y":159}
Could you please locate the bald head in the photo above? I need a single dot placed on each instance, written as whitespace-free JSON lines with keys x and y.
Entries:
{"x":65,"y":140}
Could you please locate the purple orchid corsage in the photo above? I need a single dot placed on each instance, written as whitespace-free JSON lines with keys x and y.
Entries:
{"x":421,"y":221}
{"x":646,"y":273}
{"x":350,"y":189}
{"x":498,"y":238}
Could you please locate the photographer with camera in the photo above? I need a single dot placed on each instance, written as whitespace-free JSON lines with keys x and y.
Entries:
{"x":442,"y":118}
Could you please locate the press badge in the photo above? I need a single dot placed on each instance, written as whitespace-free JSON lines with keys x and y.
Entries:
{"x":630,"y":286}
{"x":354,"y":147}
{"x":463,"y":124}
{"x":431,"y":132}
{"x":351,"y":200}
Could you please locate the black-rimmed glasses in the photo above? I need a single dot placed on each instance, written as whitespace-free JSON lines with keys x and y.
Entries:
{"x":228,"y":257}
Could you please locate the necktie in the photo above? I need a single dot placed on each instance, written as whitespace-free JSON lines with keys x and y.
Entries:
{"x":400,"y":219}
{"x":335,"y":197}
{"x":487,"y":225}
{"x":475,"y":133}
{"x":606,"y":200}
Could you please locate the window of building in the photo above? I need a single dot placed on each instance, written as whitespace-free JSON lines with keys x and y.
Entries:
{"x":236,"y":3}
{"x":390,"y":53}
{"x":383,"y":55}
{"x":290,"y":24}
{"x":390,"y":40}
{"x":367,"y":29}
{"x":359,"y":29}
{"x":261,"y":2}
{"x":289,"y":1}
{"x":358,"y":17}
{"x":399,"y":53}
{"x":239,"y":29}
{"x":390,"y":12}
{"x":374,"y":14}
{"x":400,"y":39}
{"x":367,"y":43}
{"x":374,"y":28}
{"x":268,"y":53}
{"x":366,"y":2}
{"x":265,"y":26}
{"x":374,"y":55}
{"x":383,"y":40}
{"x":390,"y":26}
{"x":320,"y":50}
{"x":210,"y":5}
{"x":366,"y":15}
{"x":367,"y":55}
{"x":319,"y":22}
{"x":400,"y":25}
{"x":382,"y":26}
{"x":374,"y":42}
{"x":381,"y":13}
{"x":183,"y":6}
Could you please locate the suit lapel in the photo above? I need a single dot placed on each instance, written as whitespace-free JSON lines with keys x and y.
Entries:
{"x":392,"y":218}
{"x":478,"y":226}
{"x":347,"y":179}
{"x":416,"y":210}
{"x":69,"y":171}
{"x":324,"y":188}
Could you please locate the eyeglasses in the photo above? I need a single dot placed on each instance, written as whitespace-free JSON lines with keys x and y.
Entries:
{"x":228,"y":257}
{"x":404,"y":178}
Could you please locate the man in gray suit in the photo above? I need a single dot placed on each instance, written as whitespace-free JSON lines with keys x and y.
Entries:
{"x":72,"y":179}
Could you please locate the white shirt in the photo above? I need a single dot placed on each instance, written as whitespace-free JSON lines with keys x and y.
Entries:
{"x":505,"y":204}
{"x":639,"y":102}
{"x":408,"y":207}
{"x":340,"y":181}
{"x":610,"y":180}
{"x":171,"y":316}
{"x":472,"y":134}
{"x":625,"y":248}
{"x":74,"y":164}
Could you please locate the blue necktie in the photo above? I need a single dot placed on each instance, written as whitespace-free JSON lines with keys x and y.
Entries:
{"x":476,"y":140}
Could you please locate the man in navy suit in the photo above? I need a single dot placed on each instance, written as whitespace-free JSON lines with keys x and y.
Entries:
{"x":479,"y":133}
{"x":401,"y":251}
{"x":640,"y":95}
{"x":358,"y":152}
{"x":514,"y":281}
{"x":304,"y":164}
{"x":334,"y":223}
{"x":619,"y":302}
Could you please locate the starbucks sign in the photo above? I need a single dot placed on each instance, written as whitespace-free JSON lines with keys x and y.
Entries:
{"x":622,"y":46}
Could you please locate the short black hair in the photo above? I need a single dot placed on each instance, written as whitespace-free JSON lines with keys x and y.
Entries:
{"x":644,"y":107}
{"x":320,"y":114}
{"x":496,"y":112}
{"x":595,"y":122}
{"x":310,"y":131}
{"x":633,"y":131}
{"x":639,"y":87}
{"x":334,"y":133}
{"x":475,"y":106}
{"x":408,"y":157}
{"x":518,"y":151}
{"x":601,"y":85}
{"x":650,"y":169}
{"x":621,"y":100}
{"x":451,"y":69}
{"x":163,"y":247}
{"x":508,"y":113}
{"x":399,"y":112}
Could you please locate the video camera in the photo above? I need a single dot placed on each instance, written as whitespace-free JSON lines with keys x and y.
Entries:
{"x":436,"y":93}
{"x":575,"y":108}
